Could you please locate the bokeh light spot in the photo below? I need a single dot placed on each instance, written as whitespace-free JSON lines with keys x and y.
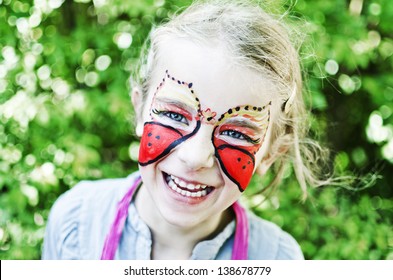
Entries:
{"x":123,"y":40}
{"x":331,"y":67}
{"x":102,"y":63}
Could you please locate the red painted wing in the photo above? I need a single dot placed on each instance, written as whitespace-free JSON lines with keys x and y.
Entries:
{"x":237,"y":163}
{"x":157,"y":140}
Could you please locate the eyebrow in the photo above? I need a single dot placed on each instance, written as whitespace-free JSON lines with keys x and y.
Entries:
{"x":246,"y":123}
{"x":176,"y":103}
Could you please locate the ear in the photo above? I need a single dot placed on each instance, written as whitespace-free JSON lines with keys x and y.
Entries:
{"x":137,"y":102}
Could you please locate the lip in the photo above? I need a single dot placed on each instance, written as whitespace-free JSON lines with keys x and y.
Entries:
{"x":186,"y":195}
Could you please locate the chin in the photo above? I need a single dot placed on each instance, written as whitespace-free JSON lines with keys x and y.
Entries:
{"x":185,"y":201}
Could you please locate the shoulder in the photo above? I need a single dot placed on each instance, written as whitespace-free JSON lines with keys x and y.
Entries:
{"x":268,"y":241}
{"x":98,"y":194}
{"x":87,"y":207}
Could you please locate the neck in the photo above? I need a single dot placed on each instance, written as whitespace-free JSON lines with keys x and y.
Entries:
{"x":174,"y":241}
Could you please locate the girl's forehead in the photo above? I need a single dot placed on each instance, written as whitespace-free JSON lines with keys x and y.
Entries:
{"x":219,"y":100}
{"x":206,"y":95}
{"x":218,"y":82}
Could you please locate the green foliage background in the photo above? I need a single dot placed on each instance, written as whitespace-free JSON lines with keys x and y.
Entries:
{"x":65,"y":115}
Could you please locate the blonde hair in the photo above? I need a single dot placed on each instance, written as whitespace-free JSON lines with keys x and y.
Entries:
{"x":261,"y":42}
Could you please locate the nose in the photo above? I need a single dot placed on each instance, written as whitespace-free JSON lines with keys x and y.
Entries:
{"x":197,"y":152}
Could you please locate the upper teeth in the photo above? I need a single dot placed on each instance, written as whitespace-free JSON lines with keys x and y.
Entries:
{"x":185,"y":185}
{"x":192,"y":190}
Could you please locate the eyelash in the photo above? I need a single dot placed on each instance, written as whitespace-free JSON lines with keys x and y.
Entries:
{"x":171,"y":116}
{"x":230,"y":133}
{"x":240,"y":135}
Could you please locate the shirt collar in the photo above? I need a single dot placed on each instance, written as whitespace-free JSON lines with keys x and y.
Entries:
{"x":204,"y":250}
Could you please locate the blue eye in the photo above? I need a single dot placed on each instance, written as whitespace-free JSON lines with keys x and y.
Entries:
{"x":234,"y":134}
{"x":175,"y":116}
{"x":172,"y":115}
{"x":238,"y":135}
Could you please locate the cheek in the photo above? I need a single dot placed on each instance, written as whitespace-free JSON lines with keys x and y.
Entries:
{"x":156,"y":142}
{"x":237,"y":162}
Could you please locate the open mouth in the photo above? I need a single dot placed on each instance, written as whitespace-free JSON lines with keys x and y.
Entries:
{"x":186,"y":188}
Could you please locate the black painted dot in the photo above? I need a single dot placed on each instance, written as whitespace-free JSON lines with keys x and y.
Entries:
{"x":246,"y":108}
{"x":149,"y":134}
{"x":163,"y":80}
{"x":158,"y":137}
{"x":237,"y":108}
{"x":172,"y":78}
{"x":259,"y":109}
{"x":230,"y":111}
{"x":149,"y":144}
{"x":189,"y":85}
{"x":192,"y":91}
{"x":179,"y":82}
{"x":249,"y":162}
{"x":254,"y":108}
{"x":166,"y":71}
{"x":244,"y":167}
{"x":209,"y":119}
{"x":239,"y":159}
{"x":197,"y":99}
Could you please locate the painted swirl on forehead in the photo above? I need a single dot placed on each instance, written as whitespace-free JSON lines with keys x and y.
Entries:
{"x":237,"y":160}
{"x":253,"y":113}
{"x":175,"y":90}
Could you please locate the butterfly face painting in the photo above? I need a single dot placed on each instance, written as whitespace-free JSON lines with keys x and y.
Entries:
{"x":176,"y":115}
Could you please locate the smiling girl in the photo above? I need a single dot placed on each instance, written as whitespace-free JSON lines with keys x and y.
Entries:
{"x":217,"y":98}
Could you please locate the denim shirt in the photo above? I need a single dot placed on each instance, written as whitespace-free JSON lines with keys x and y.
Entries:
{"x":81,"y":218}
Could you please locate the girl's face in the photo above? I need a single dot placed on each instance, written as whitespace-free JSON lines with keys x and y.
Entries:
{"x":206,"y":126}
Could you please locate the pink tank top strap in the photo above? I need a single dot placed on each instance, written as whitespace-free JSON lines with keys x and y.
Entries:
{"x":113,"y":238}
{"x":240,"y":244}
